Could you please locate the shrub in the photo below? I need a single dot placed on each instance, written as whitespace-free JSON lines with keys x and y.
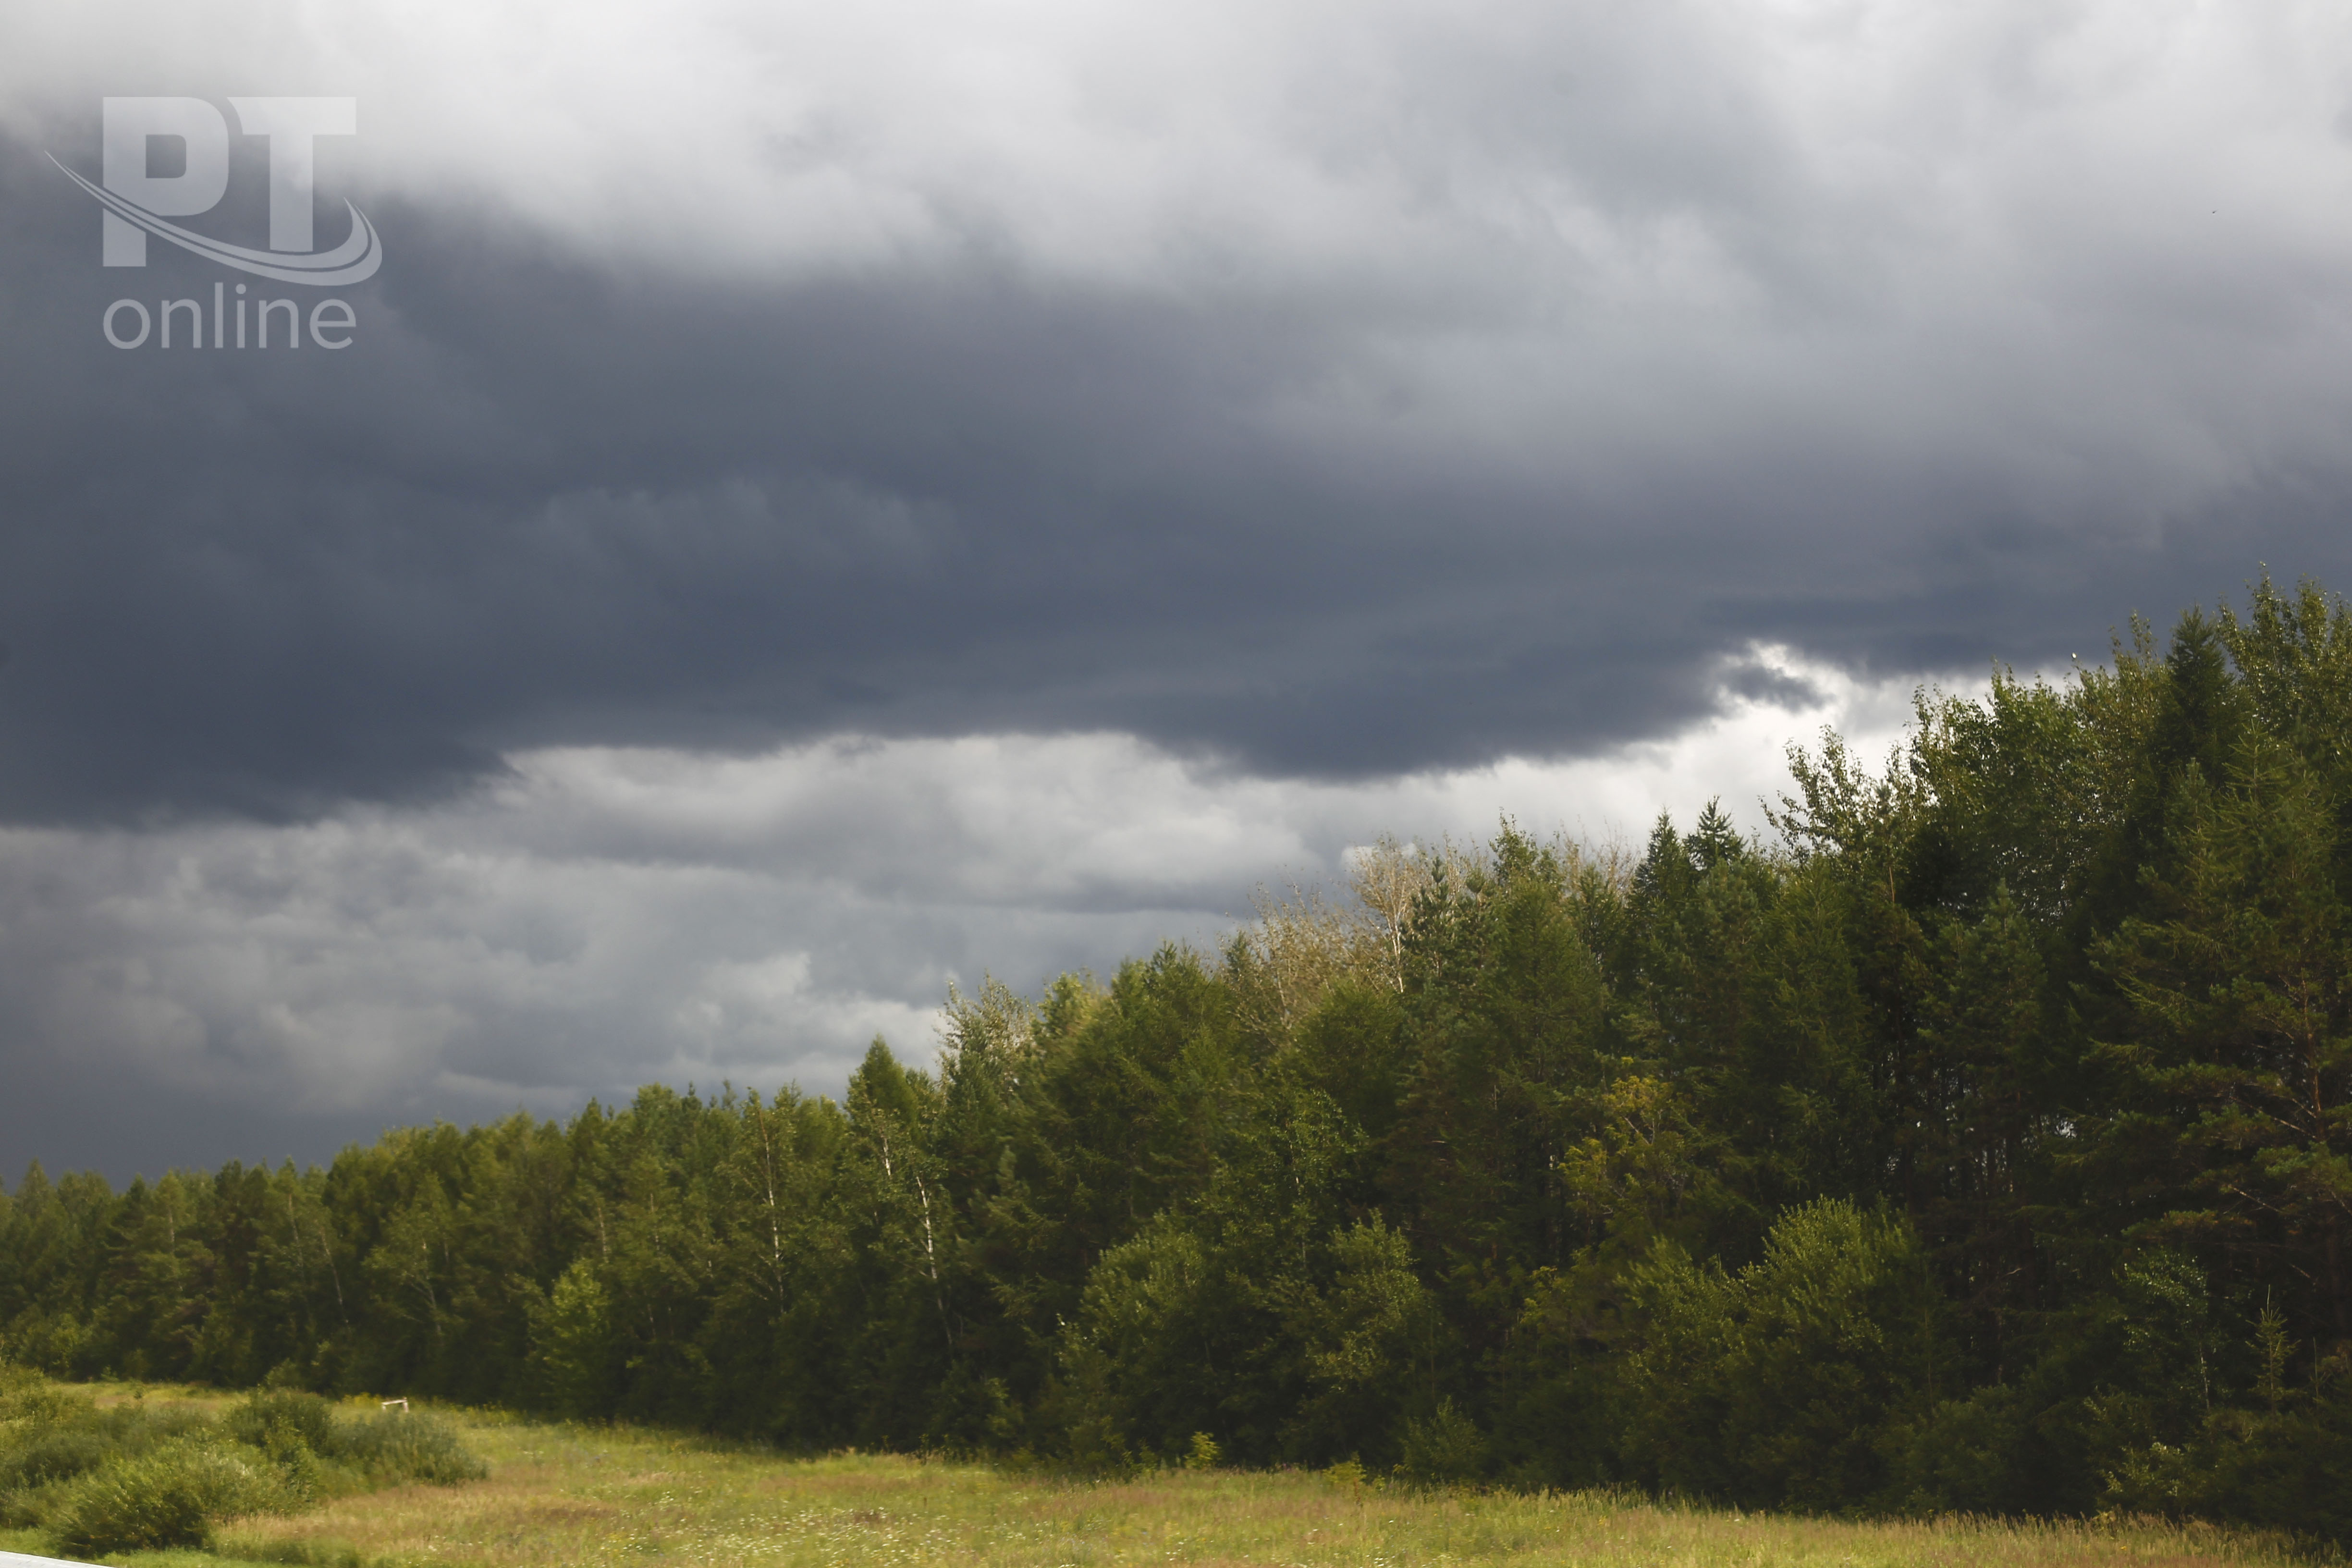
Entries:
{"x":1442,"y":1447}
{"x":1786,"y":1383}
{"x":169,"y":1497}
{"x":274,"y":1419}
{"x":408,"y":1447}
{"x":298,"y":1429}
{"x":50,"y":1436}
{"x":139,"y":1477}
{"x":1967,"y":1456}
{"x":34,"y":1399}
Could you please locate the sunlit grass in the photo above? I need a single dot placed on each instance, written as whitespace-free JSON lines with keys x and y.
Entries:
{"x":573,"y":1496}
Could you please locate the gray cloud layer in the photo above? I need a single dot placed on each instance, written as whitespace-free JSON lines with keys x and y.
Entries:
{"x":1523,"y":368}
{"x":601,"y":916}
{"x":1326,"y":392}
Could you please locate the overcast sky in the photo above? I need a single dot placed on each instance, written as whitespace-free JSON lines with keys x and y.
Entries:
{"x":824,"y":501}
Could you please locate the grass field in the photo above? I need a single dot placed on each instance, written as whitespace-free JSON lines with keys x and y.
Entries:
{"x":564,"y":1497}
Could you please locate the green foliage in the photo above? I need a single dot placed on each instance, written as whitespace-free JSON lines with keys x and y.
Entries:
{"x":1778,"y":1384}
{"x":574,"y":1344}
{"x":1981,"y":1140}
{"x":396,"y":1447}
{"x":283,"y":1420}
{"x":170,"y":1496}
{"x":52,"y":1437}
{"x":143,"y":1476}
{"x":1441,"y":1448}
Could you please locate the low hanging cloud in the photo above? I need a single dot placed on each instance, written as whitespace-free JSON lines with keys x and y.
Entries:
{"x":602,"y":918}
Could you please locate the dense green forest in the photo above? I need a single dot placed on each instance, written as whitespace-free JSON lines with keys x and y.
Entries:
{"x":1978,"y":1141}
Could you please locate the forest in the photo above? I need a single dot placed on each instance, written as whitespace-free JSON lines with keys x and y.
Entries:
{"x":1970,"y":1142}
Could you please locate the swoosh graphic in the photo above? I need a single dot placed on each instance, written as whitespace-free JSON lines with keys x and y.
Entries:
{"x":352,"y":261}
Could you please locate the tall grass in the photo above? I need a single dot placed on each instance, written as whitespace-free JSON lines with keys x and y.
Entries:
{"x":566,"y":1496}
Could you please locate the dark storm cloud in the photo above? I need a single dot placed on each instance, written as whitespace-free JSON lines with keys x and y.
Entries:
{"x":539,"y":504}
{"x":549,"y":500}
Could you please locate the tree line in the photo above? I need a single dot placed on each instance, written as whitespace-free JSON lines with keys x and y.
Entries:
{"x":1977,"y":1140}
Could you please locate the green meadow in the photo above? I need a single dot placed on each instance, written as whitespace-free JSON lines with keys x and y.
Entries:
{"x":572,"y":1495}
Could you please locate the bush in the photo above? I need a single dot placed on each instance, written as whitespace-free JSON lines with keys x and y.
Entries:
{"x":293,"y":1427}
{"x":35,"y":1401}
{"x":1443,"y":1448}
{"x":1785,"y":1384}
{"x":137,"y":1477}
{"x":169,"y":1497}
{"x":43,"y":1457}
{"x":1967,"y":1456}
{"x":274,"y":1419}
{"x":51,"y":1436}
{"x":408,"y":1447}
